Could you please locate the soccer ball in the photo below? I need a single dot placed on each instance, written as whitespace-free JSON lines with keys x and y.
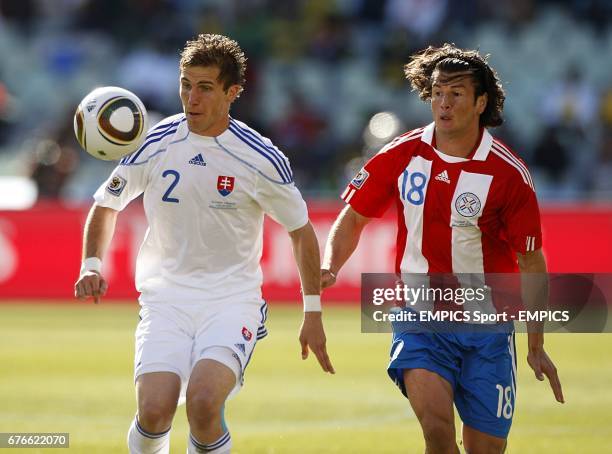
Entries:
{"x":110,"y":122}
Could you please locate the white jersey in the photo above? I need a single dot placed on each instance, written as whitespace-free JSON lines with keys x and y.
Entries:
{"x":204,"y":199}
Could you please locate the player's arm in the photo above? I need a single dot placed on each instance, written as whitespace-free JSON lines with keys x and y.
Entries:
{"x":99,"y":229}
{"x":341,"y":243}
{"x":368,"y":195}
{"x":312,"y":334}
{"x":534,"y":283}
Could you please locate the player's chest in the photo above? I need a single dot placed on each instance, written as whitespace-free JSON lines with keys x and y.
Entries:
{"x":455,"y":194}
{"x":199,"y":178}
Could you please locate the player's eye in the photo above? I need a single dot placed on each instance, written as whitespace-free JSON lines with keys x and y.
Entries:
{"x":186,"y":86}
{"x":456,"y":93}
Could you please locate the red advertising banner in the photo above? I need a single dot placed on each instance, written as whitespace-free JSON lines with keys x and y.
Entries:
{"x":40,"y":250}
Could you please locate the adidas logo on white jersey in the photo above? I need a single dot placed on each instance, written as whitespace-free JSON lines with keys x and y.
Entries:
{"x":197,"y":160}
{"x":443,"y":176}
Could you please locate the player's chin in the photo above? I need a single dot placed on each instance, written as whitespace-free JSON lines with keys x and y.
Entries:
{"x":444,"y":124}
{"x":194,"y":122}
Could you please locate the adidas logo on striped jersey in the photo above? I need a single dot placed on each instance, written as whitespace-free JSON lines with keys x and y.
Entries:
{"x":443,"y":176}
{"x":197,"y":160}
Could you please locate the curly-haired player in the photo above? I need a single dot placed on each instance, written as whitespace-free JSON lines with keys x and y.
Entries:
{"x":465,"y":204}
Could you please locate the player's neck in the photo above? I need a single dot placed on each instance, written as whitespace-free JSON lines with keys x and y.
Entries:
{"x":459,"y":144}
{"x":214,"y":130}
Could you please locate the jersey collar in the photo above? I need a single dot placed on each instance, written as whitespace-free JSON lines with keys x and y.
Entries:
{"x":207,"y":140}
{"x":481,"y":152}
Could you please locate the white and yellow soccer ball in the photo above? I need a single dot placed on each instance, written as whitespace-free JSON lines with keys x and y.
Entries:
{"x":110,"y":122}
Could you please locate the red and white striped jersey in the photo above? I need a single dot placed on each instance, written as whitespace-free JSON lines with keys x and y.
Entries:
{"x":455,"y":215}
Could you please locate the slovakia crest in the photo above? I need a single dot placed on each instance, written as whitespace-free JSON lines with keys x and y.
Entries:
{"x":246,"y":334}
{"x":225,"y":185}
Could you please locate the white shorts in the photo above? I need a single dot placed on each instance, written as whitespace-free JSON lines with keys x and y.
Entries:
{"x":174,"y":337}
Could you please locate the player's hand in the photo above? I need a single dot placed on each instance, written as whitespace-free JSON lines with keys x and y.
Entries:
{"x":312,"y":335}
{"x":327,"y":279}
{"x":90,"y":284}
{"x":542,"y":365}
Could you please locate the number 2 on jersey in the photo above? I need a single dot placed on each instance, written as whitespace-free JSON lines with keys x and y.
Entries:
{"x":415,"y":194}
{"x":177,"y":176}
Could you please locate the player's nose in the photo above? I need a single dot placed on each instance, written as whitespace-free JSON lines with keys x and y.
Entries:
{"x":193,"y":99}
{"x":445,"y":103}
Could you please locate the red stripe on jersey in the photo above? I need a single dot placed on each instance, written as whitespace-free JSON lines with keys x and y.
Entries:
{"x":412,"y":135}
{"x":497,"y":253}
{"x":437,"y":232}
{"x":515,"y":161}
{"x":402,"y":234}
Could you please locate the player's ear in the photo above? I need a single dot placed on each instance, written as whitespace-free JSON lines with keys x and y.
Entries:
{"x":233,"y":92}
{"x":481,"y":103}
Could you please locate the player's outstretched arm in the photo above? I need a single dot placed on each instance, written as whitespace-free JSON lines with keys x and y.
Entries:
{"x":341,"y":243}
{"x":99,"y":229}
{"x":312,"y":334}
{"x":534,"y":282}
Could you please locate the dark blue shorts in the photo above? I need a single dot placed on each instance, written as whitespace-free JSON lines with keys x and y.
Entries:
{"x":481,"y":368}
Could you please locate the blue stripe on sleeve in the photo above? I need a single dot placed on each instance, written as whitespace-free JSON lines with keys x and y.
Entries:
{"x":168,"y":125}
{"x":249,"y":165}
{"x":258,"y":139}
{"x":159,"y":130}
{"x":262,"y":152}
{"x":148,"y":142}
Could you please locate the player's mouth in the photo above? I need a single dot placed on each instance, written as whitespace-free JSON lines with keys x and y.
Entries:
{"x":445,"y":119}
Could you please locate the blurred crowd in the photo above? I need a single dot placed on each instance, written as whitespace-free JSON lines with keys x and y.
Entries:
{"x":324,"y":79}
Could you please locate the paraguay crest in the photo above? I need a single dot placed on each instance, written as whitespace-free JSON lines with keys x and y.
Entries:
{"x":468,"y":204}
{"x":225,"y":185}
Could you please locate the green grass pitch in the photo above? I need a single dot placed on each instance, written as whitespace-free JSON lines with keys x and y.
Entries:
{"x":68,"y":368}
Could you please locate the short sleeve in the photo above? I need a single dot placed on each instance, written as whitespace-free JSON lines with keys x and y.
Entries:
{"x":282,"y":202}
{"x":521,"y":217}
{"x":125,"y":183}
{"x":371,"y":191}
